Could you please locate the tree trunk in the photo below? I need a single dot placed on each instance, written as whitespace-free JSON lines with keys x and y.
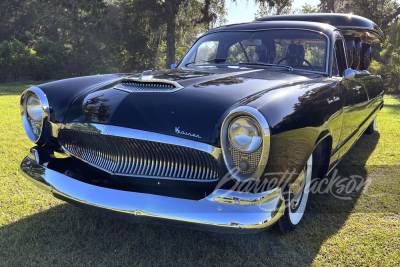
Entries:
{"x":172,"y":8}
{"x":170,"y":43}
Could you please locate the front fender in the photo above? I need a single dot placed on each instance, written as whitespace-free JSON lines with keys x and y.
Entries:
{"x":61,"y":94}
{"x":299,"y":116}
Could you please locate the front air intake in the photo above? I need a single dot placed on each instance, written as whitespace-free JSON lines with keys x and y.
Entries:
{"x":155,"y":86}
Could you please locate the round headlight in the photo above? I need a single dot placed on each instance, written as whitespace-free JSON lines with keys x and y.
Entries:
{"x":34,"y":112}
{"x":34,"y":107}
{"x":244,"y":134}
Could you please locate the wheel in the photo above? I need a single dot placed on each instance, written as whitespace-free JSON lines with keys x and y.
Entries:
{"x":371,"y":128}
{"x":296,"y":196}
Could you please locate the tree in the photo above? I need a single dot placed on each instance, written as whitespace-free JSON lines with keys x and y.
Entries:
{"x":272,"y":8}
{"x":69,"y":38}
{"x":178,"y":22}
{"x":307,"y":8}
{"x":327,"y":6}
{"x":389,"y":61}
{"x":170,"y":9}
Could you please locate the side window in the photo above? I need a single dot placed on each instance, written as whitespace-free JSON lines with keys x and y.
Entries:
{"x":340,"y":56}
{"x":335,"y":69}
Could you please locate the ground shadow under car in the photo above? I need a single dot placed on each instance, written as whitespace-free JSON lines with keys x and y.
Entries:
{"x":66,"y":235}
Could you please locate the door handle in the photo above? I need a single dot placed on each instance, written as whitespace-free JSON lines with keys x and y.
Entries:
{"x":335,"y":98}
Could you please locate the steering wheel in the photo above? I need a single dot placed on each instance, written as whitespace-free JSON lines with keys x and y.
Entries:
{"x":306,"y":61}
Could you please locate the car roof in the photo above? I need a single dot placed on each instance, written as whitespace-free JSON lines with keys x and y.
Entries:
{"x":269,"y":25}
{"x":346,"y":23}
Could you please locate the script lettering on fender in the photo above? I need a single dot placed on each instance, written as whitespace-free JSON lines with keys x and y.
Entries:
{"x":186,"y":133}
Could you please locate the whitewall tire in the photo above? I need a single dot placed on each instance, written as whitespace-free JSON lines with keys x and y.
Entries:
{"x":371,"y":128}
{"x":296,"y":202}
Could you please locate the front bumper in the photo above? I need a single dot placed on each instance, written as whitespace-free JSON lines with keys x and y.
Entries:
{"x":221,"y":211}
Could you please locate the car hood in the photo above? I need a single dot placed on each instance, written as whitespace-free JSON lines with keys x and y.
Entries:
{"x":193,"y":112}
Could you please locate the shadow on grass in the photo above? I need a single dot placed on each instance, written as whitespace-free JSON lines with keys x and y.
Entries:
{"x":66,"y":235}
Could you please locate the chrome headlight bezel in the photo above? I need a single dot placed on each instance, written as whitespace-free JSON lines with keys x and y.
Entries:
{"x":263,"y":147}
{"x":27,"y":121}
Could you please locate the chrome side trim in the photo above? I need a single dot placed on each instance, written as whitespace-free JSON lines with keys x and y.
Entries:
{"x":45,"y":112}
{"x":204,"y":214}
{"x":265,"y":131}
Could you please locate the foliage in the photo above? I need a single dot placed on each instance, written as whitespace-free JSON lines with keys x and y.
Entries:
{"x":49,"y":61}
{"x":278,"y":7}
{"x":389,"y":62}
{"x":307,"y":8}
{"x":283,"y":7}
{"x":16,"y":58}
{"x":69,"y":38}
{"x":139,"y":29}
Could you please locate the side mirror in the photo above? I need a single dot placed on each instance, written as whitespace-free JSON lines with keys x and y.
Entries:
{"x":349,"y":74}
{"x":173,"y":66}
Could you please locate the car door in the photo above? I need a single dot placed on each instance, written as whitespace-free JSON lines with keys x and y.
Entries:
{"x":354,"y":111}
{"x":374,"y":88}
{"x":355,"y":102}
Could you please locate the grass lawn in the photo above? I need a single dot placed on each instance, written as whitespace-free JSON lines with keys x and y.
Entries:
{"x":39,"y":230}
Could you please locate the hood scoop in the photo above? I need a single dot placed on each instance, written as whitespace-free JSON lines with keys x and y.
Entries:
{"x":146,"y":83}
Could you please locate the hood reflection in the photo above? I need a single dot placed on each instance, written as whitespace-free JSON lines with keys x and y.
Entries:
{"x":95,"y":109}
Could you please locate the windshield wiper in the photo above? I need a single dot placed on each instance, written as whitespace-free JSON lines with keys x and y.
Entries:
{"x":215,"y":60}
{"x":266,"y":64}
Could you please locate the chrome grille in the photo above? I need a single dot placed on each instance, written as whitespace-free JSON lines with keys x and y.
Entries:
{"x":128,"y":156}
{"x":253,"y":158}
{"x":137,"y":86}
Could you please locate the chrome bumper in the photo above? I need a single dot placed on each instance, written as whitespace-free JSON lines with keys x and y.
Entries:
{"x":221,"y":211}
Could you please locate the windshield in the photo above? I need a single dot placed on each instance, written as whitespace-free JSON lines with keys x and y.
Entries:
{"x":299,"y":49}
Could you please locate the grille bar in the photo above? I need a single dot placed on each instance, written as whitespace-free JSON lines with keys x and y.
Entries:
{"x":128,"y":156}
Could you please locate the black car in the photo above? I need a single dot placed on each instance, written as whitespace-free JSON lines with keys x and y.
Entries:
{"x":227,"y":140}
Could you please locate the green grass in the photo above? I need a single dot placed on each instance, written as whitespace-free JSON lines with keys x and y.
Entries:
{"x":39,"y":230}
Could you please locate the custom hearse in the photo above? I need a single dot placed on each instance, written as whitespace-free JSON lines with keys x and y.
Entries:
{"x":279,"y":99}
